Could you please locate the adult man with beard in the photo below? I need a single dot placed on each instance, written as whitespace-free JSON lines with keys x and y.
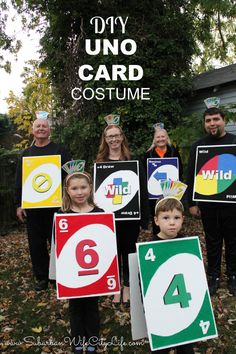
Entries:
{"x":39,"y":220}
{"x":217,"y":217}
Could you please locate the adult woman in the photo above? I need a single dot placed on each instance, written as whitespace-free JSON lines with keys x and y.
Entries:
{"x":161,"y":148}
{"x":114,"y":147}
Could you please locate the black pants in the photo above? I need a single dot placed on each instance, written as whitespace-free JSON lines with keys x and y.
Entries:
{"x":84,"y":321}
{"x":181,"y":349}
{"x":220,"y":225}
{"x":39,"y":229}
{"x":127,"y":233}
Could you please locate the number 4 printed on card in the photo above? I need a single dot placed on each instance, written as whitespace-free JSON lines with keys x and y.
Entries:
{"x":204,"y":326}
{"x":150,"y":256}
{"x":177,"y":293}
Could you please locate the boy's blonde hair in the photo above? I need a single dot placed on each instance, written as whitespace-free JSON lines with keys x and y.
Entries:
{"x":66,"y":201}
{"x":168,"y":204}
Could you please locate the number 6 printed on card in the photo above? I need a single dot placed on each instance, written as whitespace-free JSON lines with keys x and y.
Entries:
{"x":86,"y":255}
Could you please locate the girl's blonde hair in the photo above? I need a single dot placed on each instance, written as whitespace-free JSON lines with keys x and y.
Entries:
{"x":66,"y":201}
{"x":168,"y":204}
{"x":103,"y":150}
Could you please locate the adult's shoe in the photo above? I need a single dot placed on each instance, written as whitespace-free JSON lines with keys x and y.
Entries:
{"x":78,"y":350}
{"x":213,"y":284}
{"x":232,"y":285}
{"x":41,"y":285}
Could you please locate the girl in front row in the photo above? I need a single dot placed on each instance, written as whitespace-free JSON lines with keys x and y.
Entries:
{"x":83,"y":312}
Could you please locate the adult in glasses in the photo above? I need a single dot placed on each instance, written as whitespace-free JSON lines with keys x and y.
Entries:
{"x":114,"y":147}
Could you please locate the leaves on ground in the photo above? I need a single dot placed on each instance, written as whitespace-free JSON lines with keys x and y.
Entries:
{"x":36,"y":322}
{"x":37,"y":329}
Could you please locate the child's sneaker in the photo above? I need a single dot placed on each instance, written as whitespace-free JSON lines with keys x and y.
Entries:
{"x":91,"y":350}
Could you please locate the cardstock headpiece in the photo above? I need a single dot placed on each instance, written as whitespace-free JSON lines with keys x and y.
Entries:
{"x":158,"y":125}
{"x":74,"y":166}
{"x":174,"y":189}
{"x":41,"y":115}
{"x":112,"y":119}
{"x":212,"y":102}
{"x":168,"y":197}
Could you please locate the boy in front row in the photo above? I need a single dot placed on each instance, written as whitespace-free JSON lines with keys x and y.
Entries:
{"x":169,"y":217}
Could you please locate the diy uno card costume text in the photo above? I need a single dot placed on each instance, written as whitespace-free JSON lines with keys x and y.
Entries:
{"x":117,"y":188}
{"x":41,"y":182}
{"x":86,"y":255}
{"x":175,"y":292}
{"x":215,"y":174}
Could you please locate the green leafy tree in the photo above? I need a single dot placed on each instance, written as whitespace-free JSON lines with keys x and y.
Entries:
{"x":168,"y":35}
{"x":36,"y":96}
{"x":6,"y":131}
{"x":215,"y":33}
{"x":8,"y":42}
{"x":163,"y":31}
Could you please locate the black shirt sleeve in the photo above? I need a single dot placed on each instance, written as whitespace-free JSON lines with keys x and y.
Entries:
{"x":190,"y":175}
{"x":177,"y":154}
{"x":65,"y":155}
{"x":146,"y":156}
{"x":18,"y":182}
{"x":143,"y":198}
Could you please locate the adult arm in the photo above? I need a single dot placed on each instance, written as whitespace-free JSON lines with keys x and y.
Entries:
{"x":20,"y":213}
{"x":190,"y":180}
{"x":65,"y":157}
{"x":143,"y":198}
{"x":18,"y":182}
{"x":143,"y":160}
{"x":177,"y":154}
{"x":194,"y":210}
